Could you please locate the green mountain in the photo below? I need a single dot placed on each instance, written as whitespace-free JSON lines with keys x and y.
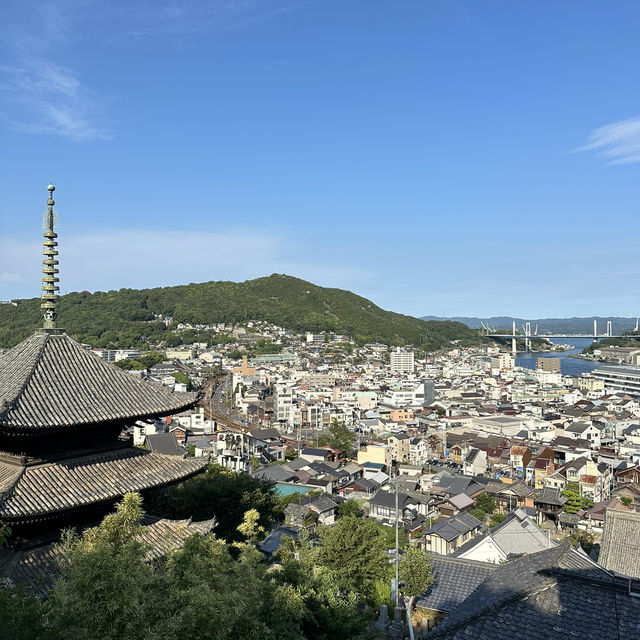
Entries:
{"x":128,"y":317}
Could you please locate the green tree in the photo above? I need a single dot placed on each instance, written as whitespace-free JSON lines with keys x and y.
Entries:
{"x":415,"y":572}
{"x":151,"y":358}
{"x":182,"y":378}
{"x":486,"y":502}
{"x":497,"y":518}
{"x":354,"y":550}
{"x":574,"y":501}
{"x":249,"y":526}
{"x":218,"y":493}
{"x":21,"y":613}
{"x":349,"y":508}
{"x":626,"y":501}
{"x":332,"y":611}
{"x":340,"y":438}
{"x":480,"y":514}
{"x":583,"y":538}
{"x":103,"y":590}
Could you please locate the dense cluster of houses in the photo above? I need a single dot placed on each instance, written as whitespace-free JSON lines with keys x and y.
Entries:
{"x":432,"y":438}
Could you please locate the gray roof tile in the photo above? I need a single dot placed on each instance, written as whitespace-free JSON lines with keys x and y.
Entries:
{"x":620,"y":546}
{"x":51,"y":381}
{"x":77,"y":482}
{"x":455,"y":580}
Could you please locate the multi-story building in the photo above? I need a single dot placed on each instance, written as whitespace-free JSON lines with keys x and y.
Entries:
{"x":402,"y":361}
{"x":625,"y":379}
{"x":586,"y":382}
{"x":418,"y":451}
{"x":283,"y":402}
{"x":399,"y":444}
{"x":503,"y":362}
{"x":548,"y":364}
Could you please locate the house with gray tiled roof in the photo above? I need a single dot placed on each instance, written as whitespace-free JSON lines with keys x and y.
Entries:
{"x":517,"y":535}
{"x":449,"y":534}
{"x":553,"y":594}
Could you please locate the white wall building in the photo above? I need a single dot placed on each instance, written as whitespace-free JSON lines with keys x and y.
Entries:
{"x":402,"y":361}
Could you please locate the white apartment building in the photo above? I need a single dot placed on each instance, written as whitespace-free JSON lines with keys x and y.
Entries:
{"x":402,"y":361}
{"x":503,"y":362}
{"x":408,"y":395}
{"x":283,"y":402}
{"x":626,"y":379}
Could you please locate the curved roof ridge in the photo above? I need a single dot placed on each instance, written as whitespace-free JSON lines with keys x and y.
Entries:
{"x":8,"y":402}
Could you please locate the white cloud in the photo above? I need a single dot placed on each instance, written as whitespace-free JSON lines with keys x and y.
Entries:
{"x":619,"y":142}
{"x":52,"y":100}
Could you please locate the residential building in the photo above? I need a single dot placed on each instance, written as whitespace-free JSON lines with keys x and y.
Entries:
{"x":400,"y":447}
{"x":626,"y":379}
{"x":517,"y":535}
{"x":283,"y":402}
{"x":552,"y":365}
{"x":449,"y":534}
{"x":375,"y":453}
{"x":402,"y":361}
{"x":503,"y":362}
{"x":475,"y":462}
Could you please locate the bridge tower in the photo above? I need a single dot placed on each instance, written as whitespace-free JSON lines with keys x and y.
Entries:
{"x":595,"y":328}
{"x":527,"y":333}
{"x":609,"y":328}
{"x":513,"y":340}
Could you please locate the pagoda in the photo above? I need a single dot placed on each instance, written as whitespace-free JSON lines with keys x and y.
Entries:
{"x":62,"y":411}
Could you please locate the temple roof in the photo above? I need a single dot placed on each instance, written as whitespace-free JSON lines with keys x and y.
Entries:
{"x":38,"y":567}
{"x":49,"y":380}
{"x":34,"y":492}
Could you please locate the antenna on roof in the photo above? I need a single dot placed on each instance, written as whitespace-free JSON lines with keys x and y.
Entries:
{"x":49,"y":297}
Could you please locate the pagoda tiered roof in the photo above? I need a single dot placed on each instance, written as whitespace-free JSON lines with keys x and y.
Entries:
{"x":62,"y":412}
{"x":31,"y":493}
{"x":50,"y":381}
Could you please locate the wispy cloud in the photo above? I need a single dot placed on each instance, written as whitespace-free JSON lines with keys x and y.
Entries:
{"x":147,"y":18}
{"x":5,"y":276}
{"x":179,"y":257}
{"x":619,"y":142}
{"x":51,"y":99}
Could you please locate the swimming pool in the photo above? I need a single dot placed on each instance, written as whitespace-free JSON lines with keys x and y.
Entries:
{"x":286,"y":489}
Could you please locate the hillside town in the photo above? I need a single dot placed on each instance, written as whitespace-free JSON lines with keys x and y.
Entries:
{"x":475,"y":458}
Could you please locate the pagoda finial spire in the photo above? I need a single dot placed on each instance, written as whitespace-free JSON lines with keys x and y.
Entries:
{"x":49,"y":272}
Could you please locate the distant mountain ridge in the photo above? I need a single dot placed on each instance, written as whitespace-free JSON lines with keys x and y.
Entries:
{"x":550,"y":325}
{"x":130,"y":317}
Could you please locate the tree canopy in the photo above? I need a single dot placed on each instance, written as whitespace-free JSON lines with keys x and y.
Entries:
{"x":109,"y":589}
{"x":354,"y":549}
{"x":221,"y":494}
{"x":415,"y":573}
{"x":340,"y":438}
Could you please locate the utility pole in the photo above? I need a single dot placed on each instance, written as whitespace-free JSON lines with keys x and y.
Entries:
{"x":397,"y":590}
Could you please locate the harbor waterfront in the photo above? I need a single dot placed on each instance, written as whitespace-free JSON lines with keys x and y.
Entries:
{"x":569,"y":366}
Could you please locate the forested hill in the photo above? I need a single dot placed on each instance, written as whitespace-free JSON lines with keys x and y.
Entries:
{"x":128,"y":317}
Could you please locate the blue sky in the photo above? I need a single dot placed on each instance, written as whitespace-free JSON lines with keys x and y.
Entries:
{"x":441,"y":157}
